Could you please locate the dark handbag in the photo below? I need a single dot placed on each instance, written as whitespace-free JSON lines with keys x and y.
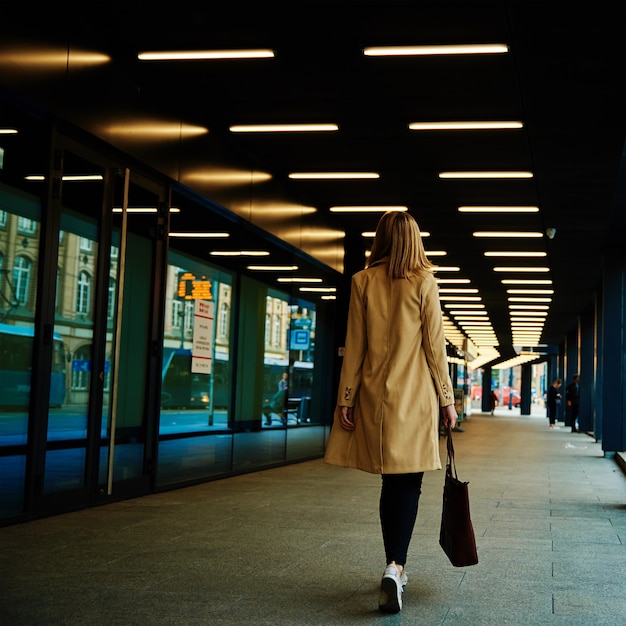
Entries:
{"x":456,"y":536}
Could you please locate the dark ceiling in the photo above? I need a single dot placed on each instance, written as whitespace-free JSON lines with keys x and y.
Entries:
{"x":564,"y":77}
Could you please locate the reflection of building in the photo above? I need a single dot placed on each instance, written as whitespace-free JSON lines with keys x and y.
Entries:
{"x":277,"y":319}
{"x":19,"y":246}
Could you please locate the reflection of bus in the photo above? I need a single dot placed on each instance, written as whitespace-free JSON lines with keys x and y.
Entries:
{"x":16,"y":353}
{"x":182,"y":389}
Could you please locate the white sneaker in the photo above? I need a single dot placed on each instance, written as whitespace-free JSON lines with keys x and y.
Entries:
{"x":391,"y":588}
{"x":404,"y":579}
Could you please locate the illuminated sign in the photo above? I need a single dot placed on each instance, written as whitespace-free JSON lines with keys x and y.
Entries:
{"x":190,"y":287}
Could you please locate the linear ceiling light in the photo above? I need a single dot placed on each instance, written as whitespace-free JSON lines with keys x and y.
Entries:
{"x":385,"y":51}
{"x":453,"y":281}
{"x":282,"y":128}
{"x":516,"y":254}
{"x":465,"y":306}
{"x":457,"y":290}
{"x":435,"y":252}
{"x":532,"y":307}
{"x":529,"y":281}
{"x":200,"y":235}
{"x":521,"y":269}
{"x":273,"y":268}
{"x":460,"y":298}
{"x":333,"y":175}
{"x":318,"y":289}
{"x":8,"y":131}
{"x":504,"y":233}
{"x":474,"y":318}
{"x":464,"y":125}
{"x":366,"y":209}
{"x":547,"y":292}
{"x":203,"y":55}
{"x":297,"y":279}
{"x":239,"y":253}
{"x":523,"y":299}
{"x":485,"y":174}
{"x":498,"y":209}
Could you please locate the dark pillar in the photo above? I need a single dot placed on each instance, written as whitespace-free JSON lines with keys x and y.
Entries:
{"x":525,"y":391}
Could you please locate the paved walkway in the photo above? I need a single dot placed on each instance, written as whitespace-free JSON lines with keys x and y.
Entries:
{"x":300,"y":545}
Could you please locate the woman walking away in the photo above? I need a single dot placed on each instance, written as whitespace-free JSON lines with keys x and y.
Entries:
{"x":394,"y":383}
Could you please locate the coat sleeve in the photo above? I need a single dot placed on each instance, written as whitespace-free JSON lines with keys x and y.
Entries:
{"x":355,"y":349}
{"x":434,"y":341}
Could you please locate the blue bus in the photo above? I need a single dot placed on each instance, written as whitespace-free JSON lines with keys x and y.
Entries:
{"x":16,"y":353}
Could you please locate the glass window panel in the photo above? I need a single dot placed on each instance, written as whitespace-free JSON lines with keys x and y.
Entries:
{"x":18,"y":288}
{"x":73,"y":335}
{"x":191,"y":402}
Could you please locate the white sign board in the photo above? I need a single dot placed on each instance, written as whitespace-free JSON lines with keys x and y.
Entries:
{"x":202,"y":345}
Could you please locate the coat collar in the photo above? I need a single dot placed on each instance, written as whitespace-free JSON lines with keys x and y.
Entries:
{"x":382,"y":261}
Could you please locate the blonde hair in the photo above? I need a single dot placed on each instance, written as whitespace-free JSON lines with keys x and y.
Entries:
{"x":398,"y":237}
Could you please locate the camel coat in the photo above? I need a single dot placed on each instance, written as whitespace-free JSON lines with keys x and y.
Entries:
{"x":394,"y":374}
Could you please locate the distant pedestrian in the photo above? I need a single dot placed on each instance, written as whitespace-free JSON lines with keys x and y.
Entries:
{"x":572,"y":397}
{"x":493,"y":400}
{"x":554,"y":399}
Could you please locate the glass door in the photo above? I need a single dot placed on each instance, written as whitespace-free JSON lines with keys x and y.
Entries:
{"x":98,"y":438}
{"x":133,"y":317}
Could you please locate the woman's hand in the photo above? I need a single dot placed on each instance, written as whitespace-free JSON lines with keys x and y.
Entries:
{"x":347,"y":418}
{"x":449,"y":416}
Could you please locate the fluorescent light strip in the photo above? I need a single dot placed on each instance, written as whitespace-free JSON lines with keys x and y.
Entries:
{"x":489,"y":48}
{"x":273,"y":268}
{"x":366,"y":209}
{"x":239,"y":253}
{"x":498,"y":209}
{"x":318,"y":289}
{"x":521,"y":269}
{"x":507,"y":234}
{"x":295,"y":279}
{"x":522,"y":299}
{"x":8,"y":131}
{"x":435,"y":252}
{"x":457,"y":290}
{"x":530,"y":281}
{"x":531,"y":291}
{"x":485,"y":174}
{"x":447,"y":268}
{"x":333,"y":175}
{"x":474,"y":318}
{"x":464,"y":125}
{"x":200,"y":235}
{"x":531,"y":307}
{"x":465,"y":306}
{"x":455,"y":312}
{"x":143,"y":210}
{"x":516,"y":254}
{"x":460,"y":298}
{"x":203,"y":55}
{"x":452,"y":281}
{"x":282,"y":128}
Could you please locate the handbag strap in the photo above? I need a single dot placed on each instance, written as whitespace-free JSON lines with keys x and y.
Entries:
{"x":450,"y":461}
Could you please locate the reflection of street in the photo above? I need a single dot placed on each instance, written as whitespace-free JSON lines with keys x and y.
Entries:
{"x":70,"y":422}
{"x":176,"y":421}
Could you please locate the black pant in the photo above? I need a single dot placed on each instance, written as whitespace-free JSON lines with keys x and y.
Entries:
{"x":399,"y":499}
